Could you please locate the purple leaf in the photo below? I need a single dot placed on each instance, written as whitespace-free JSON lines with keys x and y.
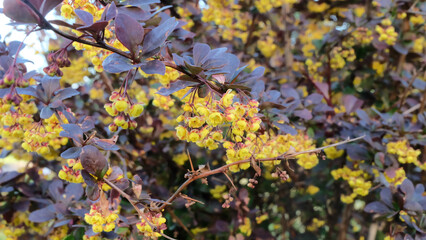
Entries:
{"x":200,"y":52}
{"x":305,"y":114}
{"x":314,"y":98}
{"x":407,"y":188}
{"x":27,"y":91}
{"x":74,"y":190}
{"x":377,"y":207}
{"x":154,"y":67}
{"x":323,"y":87}
{"x":48,"y":5}
{"x":50,"y":85}
{"x":43,"y":215}
{"x":70,"y":153}
{"x":129,"y":32}
{"x":156,"y":37}
{"x":140,"y":2}
{"x":286,"y":128}
{"x":135,"y":12}
{"x":7,"y":176}
{"x":72,"y":131}
{"x":386,"y":196}
{"x":64,"y":94}
{"x":115,"y":63}
{"x":19,"y":11}
{"x":86,"y":17}
{"x":5,"y":91}
{"x":107,"y":146}
{"x":110,"y":12}
{"x":174,"y":87}
{"x":351,"y":103}
{"x":413,"y":206}
{"x":56,"y":189}
{"x":87,"y":124}
{"x":46,"y":112}
{"x":258,"y":89}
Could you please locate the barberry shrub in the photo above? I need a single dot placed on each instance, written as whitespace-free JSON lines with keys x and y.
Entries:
{"x":221,"y":119}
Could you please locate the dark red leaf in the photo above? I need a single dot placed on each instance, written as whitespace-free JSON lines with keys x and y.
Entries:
{"x":129,"y":32}
{"x":93,"y":161}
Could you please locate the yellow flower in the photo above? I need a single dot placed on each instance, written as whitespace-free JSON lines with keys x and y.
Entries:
{"x":312,"y":190}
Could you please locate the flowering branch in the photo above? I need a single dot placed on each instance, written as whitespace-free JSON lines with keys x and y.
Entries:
{"x":224,"y":168}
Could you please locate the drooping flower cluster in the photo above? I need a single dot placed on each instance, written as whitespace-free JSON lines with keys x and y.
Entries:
{"x":44,"y":135}
{"x":101,"y":219}
{"x":202,"y":121}
{"x":72,"y":172}
{"x":123,"y":110}
{"x":156,"y":221}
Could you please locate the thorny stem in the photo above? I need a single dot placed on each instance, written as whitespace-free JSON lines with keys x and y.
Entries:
{"x":222,"y":169}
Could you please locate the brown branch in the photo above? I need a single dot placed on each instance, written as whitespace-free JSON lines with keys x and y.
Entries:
{"x":222,"y":169}
{"x":141,"y":214}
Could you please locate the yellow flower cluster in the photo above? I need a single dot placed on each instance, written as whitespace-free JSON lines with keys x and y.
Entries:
{"x":43,"y":136}
{"x":356,"y":180}
{"x":218,"y":191}
{"x":363,"y":36}
{"x":267,"y":47}
{"x":180,"y":159}
{"x":387,"y":32}
{"x":245,"y":228}
{"x":313,"y":70}
{"x":312,"y":190}
{"x":156,"y":220}
{"x":15,"y":121}
{"x":101,"y":219}
{"x":379,"y":67}
{"x":314,"y":31}
{"x":227,"y":16}
{"x":186,"y":14}
{"x":406,"y":154}
{"x":163,"y":102}
{"x":170,"y":75}
{"x":265,"y":5}
{"x":317,"y":7}
{"x":315,"y":225}
{"x":123,"y":110}
{"x":76,"y":72}
{"x":338,"y":56}
{"x":332,"y":152}
{"x":202,"y":121}
{"x":21,"y":225}
{"x":72,"y":172}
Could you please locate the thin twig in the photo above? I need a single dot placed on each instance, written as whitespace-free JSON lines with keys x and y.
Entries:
{"x":222,"y":169}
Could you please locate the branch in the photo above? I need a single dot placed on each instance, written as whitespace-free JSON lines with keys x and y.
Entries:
{"x":222,"y":169}
{"x":44,"y":24}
